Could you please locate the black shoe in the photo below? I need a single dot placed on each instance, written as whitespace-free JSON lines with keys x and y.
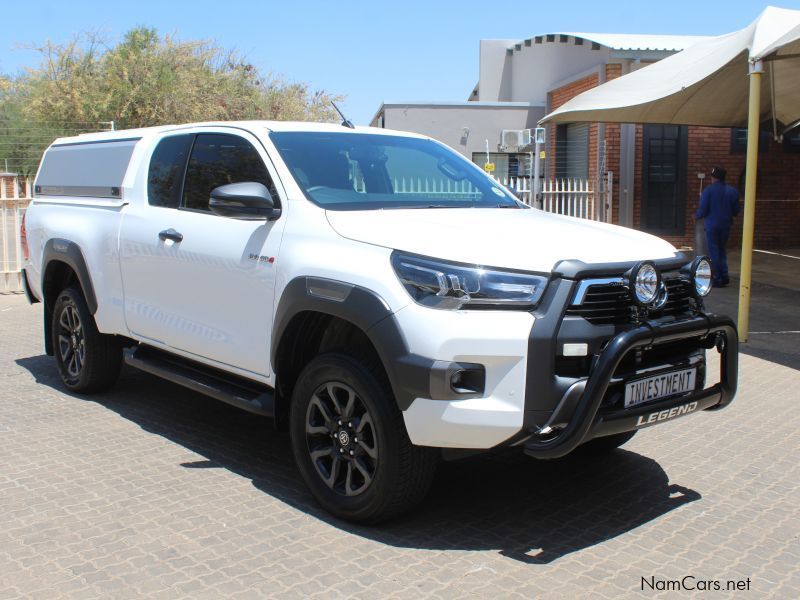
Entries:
{"x":726,"y":281}
{"x":719,"y":284}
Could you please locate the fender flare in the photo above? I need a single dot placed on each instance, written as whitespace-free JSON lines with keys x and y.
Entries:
{"x":409,"y":374}
{"x":61,"y":250}
{"x":57,"y":249}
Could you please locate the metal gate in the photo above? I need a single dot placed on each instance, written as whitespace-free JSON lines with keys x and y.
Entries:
{"x":15,"y":193}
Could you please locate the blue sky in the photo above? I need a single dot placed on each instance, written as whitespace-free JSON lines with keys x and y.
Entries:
{"x":370,"y":51}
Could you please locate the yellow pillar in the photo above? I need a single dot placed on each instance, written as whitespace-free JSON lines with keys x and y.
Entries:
{"x":753,"y":121}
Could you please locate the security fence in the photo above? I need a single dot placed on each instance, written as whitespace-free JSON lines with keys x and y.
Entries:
{"x":14,"y":199}
{"x":582,"y":198}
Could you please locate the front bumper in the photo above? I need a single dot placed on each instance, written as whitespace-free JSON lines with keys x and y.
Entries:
{"x":587,"y":420}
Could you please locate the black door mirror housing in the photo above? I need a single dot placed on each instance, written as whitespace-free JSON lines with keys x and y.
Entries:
{"x":248,"y":200}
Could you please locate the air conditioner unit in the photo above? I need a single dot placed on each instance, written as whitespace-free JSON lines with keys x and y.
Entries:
{"x":512,"y":140}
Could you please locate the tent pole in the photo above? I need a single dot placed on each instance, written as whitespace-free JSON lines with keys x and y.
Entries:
{"x":751,"y":170}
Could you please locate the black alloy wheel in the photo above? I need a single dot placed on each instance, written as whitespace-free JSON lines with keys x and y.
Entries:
{"x":87,"y":360}
{"x":71,"y":341}
{"x":341,"y":439}
{"x":350,"y":442}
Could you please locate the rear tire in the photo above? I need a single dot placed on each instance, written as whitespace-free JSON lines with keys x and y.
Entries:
{"x":365,"y":469}
{"x":88,"y":361}
{"x":604,"y":445}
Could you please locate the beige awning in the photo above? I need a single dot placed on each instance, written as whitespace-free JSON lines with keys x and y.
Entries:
{"x":732,"y":80}
{"x":707,"y":83}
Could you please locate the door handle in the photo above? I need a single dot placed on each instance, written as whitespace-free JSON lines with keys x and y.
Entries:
{"x":171,"y":234}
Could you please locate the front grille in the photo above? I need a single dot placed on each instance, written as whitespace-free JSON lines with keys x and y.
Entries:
{"x":608,"y":302}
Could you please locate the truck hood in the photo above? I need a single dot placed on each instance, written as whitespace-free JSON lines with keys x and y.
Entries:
{"x":530,"y":240}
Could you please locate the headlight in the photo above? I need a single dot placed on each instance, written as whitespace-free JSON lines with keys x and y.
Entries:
{"x":441,"y":284}
{"x":701,"y":275}
{"x":645,"y":282}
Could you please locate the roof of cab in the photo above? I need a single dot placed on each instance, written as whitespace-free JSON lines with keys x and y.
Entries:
{"x":125,"y":134}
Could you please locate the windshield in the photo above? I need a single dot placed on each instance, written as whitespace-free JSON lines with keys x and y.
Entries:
{"x":355,"y":171}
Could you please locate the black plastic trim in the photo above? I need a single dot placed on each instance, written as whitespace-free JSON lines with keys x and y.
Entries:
{"x":70,"y":253}
{"x":408,"y":373}
{"x":245,"y":394}
{"x":26,"y":286}
{"x":577,"y":269}
{"x":586,"y":421}
{"x":543,"y":389}
{"x":411,"y":376}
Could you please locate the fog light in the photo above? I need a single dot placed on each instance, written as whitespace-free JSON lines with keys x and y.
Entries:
{"x":576,"y":349}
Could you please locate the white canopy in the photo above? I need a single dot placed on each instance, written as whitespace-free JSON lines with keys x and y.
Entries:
{"x":707,"y":83}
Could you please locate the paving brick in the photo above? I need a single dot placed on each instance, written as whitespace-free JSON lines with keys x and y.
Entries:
{"x":103,"y":497}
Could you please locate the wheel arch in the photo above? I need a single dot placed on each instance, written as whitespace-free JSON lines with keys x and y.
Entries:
{"x":316,"y":314}
{"x":62,"y":265}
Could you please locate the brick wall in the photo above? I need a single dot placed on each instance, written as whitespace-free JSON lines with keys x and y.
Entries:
{"x":558,"y":97}
{"x":612,"y":148}
{"x":777,"y":196}
{"x":7,"y":184}
{"x":612,"y":134}
{"x":777,"y":192}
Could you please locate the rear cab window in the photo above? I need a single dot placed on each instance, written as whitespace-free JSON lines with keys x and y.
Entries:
{"x":165,"y":175}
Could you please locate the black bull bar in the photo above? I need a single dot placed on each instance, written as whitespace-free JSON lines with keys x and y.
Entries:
{"x":586,"y":423}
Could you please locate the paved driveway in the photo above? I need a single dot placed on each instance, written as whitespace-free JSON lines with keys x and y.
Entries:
{"x":150,"y":490}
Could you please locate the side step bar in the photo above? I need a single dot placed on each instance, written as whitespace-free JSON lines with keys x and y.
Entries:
{"x":237,"y":391}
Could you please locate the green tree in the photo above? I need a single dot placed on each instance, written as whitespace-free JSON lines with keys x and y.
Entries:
{"x":145,"y":79}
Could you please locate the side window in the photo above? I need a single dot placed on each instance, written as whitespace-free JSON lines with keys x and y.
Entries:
{"x":165,"y":175}
{"x":218,"y":159}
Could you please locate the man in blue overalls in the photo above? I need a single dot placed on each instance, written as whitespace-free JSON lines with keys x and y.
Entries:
{"x":719,"y":203}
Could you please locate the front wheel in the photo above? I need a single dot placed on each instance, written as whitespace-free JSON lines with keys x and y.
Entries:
{"x":87,"y":360}
{"x":350,"y":443}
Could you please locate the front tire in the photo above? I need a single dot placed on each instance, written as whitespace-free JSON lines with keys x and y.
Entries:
{"x":350,"y":443}
{"x":87,"y":360}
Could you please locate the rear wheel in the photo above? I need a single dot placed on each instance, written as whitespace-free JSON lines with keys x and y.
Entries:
{"x":350,"y":443}
{"x":88,"y":361}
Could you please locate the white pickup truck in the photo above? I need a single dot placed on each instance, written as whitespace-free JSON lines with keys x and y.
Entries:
{"x":373,"y":292}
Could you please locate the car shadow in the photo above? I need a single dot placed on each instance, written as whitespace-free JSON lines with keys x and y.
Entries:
{"x":531,"y":511}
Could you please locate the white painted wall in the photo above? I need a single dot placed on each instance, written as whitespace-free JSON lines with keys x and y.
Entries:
{"x":446,"y":123}
{"x":526,"y":75}
{"x":495,"y":71}
{"x":539,"y":68}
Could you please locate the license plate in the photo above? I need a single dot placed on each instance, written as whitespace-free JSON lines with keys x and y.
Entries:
{"x":659,"y":386}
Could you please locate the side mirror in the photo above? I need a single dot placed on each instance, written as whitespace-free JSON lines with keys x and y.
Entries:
{"x":248,"y":200}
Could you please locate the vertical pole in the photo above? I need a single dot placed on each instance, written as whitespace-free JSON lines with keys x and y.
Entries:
{"x":537,"y":151}
{"x":753,"y":118}
{"x":15,"y":204}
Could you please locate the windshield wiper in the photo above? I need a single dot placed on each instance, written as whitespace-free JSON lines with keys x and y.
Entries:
{"x":434,"y":206}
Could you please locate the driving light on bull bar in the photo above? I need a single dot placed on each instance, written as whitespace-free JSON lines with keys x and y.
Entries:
{"x":447,"y":285}
{"x":645,"y":282}
{"x":701,"y":275}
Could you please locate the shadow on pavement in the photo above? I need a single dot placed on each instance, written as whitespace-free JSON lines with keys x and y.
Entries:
{"x":531,"y":511}
{"x":774,"y":320}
